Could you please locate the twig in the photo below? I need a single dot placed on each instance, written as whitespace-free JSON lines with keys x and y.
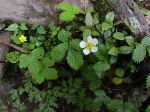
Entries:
{"x":15,"y":47}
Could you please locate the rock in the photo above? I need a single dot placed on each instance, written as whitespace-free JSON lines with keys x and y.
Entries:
{"x":4,"y":36}
{"x":81,"y":3}
{"x":31,"y":11}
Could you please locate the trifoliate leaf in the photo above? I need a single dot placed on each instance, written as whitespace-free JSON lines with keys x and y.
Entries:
{"x":66,"y":16}
{"x":101,"y":67}
{"x":74,"y":59}
{"x":146,"y":41}
{"x":88,"y":19}
{"x":38,"y":53}
{"x":148,"y":81}
{"x":113,"y":51}
{"x":74,"y":44}
{"x":63,"y":35}
{"x":58,"y":53}
{"x":41,"y":29}
{"x":24,"y":60}
{"x":110,"y":17}
{"x":125,"y":49}
{"x":106,"y":26}
{"x":119,"y":36}
{"x":139,"y":53}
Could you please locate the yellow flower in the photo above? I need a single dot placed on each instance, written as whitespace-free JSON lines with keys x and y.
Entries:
{"x":22,"y":38}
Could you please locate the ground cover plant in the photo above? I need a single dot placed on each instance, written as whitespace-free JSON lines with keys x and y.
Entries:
{"x":86,"y":64}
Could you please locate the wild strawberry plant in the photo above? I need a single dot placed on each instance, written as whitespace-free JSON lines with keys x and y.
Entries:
{"x":84,"y":63}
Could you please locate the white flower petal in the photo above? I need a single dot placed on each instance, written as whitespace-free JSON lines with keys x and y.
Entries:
{"x":94,"y":49}
{"x":86,"y":51}
{"x":82,"y":44}
{"x":95,"y":41}
{"x":89,"y":39}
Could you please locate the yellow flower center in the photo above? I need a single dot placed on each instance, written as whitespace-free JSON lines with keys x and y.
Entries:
{"x":89,"y":45}
{"x":22,"y":38}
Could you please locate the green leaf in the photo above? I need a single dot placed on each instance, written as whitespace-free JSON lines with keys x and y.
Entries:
{"x":146,"y":41}
{"x":13,"y":27}
{"x":38,"y":78}
{"x":64,"y":6}
{"x":130,"y":40}
{"x":113,"y":51}
{"x":23,"y":26}
{"x":74,"y":59}
{"x":74,"y":44}
{"x":24,"y":60}
{"x":125,"y":49}
{"x":110,"y":17}
{"x":50,"y":73}
{"x":34,"y":66}
{"x":118,"y":36}
{"x":12,"y":57}
{"x":66,"y":16}
{"x":89,"y":19}
{"x":106,"y":26}
{"x":139,"y":53}
{"x":117,"y":80}
{"x":86,"y":33}
{"x":76,"y":9}
{"x":120,"y":72}
{"x":46,"y":61}
{"x":58,"y":52}
{"x":41,"y":30}
{"x":129,"y":107}
{"x":101,"y":98}
{"x":115,"y":105}
{"x":38,"y":53}
{"x":64,"y":35}
{"x":16,"y":39}
{"x":148,"y":109}
{"x":148,"y":81}
{"x":145,"y":11}
{"x":101,"y":67}
{"x":148,"y":50}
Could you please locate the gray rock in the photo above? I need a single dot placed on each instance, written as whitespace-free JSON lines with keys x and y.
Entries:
{"x":31,"y":11}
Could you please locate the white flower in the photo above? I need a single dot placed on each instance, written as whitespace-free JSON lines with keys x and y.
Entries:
{"x":89,"y":45}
